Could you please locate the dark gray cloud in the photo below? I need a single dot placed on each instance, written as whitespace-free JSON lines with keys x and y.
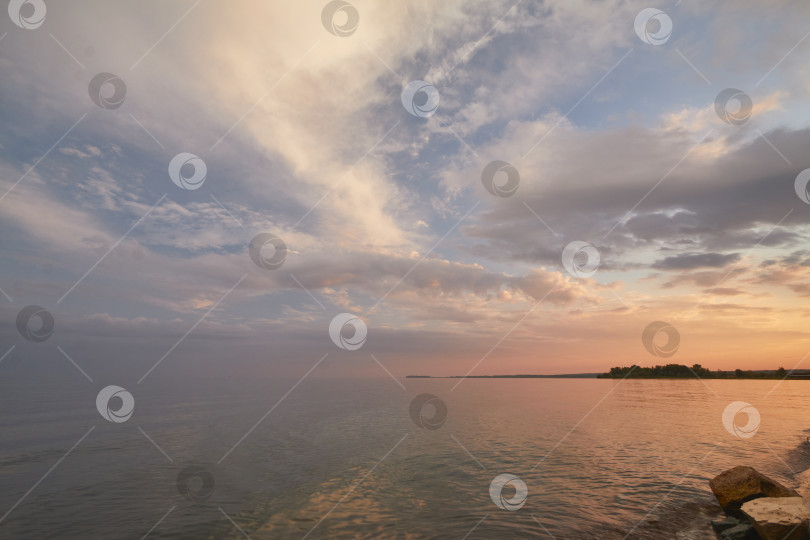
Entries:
{"x":742,"y":199}
{"x":689,"y":261}
{"x":800,"y":257}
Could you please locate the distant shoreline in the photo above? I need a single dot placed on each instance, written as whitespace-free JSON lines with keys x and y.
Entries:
{"x":623,"y":373}
{"x":795,"y":377}
{"x":564,"y":376}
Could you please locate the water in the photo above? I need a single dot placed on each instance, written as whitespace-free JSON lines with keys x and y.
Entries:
{"x":597,"y":456}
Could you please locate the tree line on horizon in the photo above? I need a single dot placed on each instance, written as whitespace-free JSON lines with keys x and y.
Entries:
{"x":675,"y":371}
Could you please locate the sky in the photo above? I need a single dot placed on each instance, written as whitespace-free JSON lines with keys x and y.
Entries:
{"x":483,"y":187}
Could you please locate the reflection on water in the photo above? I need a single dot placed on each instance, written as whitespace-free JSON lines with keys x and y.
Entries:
{"x":597,"y":458}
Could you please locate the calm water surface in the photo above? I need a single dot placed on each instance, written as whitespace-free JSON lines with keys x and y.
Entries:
{"x":597,"y":456}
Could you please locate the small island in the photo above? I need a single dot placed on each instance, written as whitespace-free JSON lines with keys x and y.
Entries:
{"x":680,"y":371}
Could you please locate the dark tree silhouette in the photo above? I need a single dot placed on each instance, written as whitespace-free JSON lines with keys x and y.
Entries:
{"x":679,"y":371}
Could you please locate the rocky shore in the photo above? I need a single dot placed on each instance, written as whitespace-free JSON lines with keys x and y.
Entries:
{"x":758,"y":507}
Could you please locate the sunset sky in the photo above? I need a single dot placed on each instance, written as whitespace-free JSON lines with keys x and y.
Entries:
{"x":384,"y":214}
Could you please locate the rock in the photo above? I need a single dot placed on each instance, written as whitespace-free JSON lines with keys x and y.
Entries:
{"x":803,"y":480}
{"x":736,"y":486}
{"x":722,"y":525}
{"x":779,"y":518}
{"x":743,"y":531}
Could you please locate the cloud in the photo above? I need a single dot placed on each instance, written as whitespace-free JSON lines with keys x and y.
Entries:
{"x":802,"y":289}
{"x":725,"y":291}
{"x":304,"y":136}
{"x":689,"y":261}
{"x":618,"y":201}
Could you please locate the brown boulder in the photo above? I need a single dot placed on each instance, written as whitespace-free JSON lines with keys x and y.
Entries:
{"x":779,"y":518}
{"x":742,"y":484}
